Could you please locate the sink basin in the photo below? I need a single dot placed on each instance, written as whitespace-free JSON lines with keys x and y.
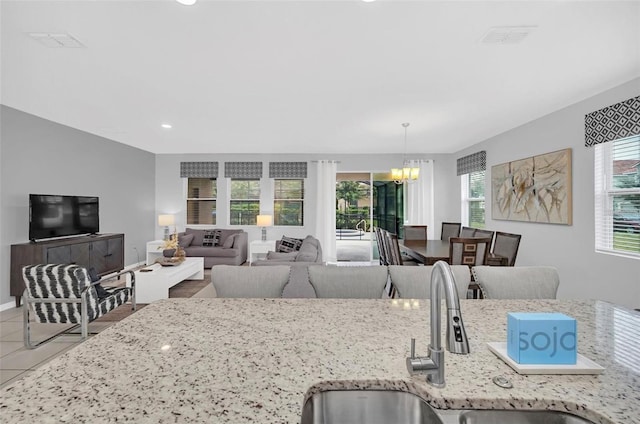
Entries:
{"x":519,"y":417}
{"x":367,"y":406}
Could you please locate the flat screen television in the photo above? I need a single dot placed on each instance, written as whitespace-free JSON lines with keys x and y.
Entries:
{"x":59,"y":216}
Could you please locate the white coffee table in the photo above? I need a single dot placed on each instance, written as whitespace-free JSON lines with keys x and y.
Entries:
{"x":154,"y":285}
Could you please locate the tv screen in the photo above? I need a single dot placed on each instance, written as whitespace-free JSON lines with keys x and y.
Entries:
{"x":59,"y":216}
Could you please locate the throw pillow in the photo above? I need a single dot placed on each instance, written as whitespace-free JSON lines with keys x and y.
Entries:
{"x":228,"y":243}
{"x":288,"y":244}
{"x":308,"y":250}
{"x":185,"y":240}
{"x":211,"y":238}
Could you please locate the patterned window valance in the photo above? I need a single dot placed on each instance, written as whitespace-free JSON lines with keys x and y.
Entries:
{"x":612,"y":122}
{"x":472,"y":163}
{"x":243,"y":169}
{"x":199,"y":169}
{"x":287,"y":169}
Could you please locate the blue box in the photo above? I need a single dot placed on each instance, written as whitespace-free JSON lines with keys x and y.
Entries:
{"x":541,"y":338}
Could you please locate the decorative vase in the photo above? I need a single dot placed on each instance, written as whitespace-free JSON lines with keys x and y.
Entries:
{"x":180,"y":253}
{"x":168,"y":253}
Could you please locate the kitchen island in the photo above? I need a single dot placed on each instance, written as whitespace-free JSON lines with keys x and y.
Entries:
{"x":256,"y":360}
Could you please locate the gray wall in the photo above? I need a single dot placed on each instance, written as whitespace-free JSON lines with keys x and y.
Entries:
{"x":40,"y":156}
{"x":170,"y":190}
{"x":583,"y":272}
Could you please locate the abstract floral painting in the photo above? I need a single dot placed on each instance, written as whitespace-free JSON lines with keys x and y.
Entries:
{"x":535,"y":189}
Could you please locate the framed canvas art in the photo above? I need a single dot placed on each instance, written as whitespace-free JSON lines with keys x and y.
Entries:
{"x":535,"y":189}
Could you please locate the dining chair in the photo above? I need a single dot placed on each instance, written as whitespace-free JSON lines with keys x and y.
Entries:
{"x":485,"y":234}
{"x":506,"y":244}
{"x":530,"y":282}
{"x":396,"y":256}
{"x":415,"y":232}
{"x":467,"y":232}
{"x":468,"y":251}
{"x":381,"y":249}
{"x":415,"y":282}
{"x":450,"y":229}
{"x":345,"y":282}
{"x":248,"y":282}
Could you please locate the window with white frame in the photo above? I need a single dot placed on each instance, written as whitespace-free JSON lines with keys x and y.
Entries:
{"x":617,"y":197}
{"x":288,"y":202}
{"x":473,"y":199}
{"x":244,"y":201}
{"x":201,"y":201}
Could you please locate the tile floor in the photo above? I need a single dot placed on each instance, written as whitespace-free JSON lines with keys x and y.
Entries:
{"x":16,"y":360}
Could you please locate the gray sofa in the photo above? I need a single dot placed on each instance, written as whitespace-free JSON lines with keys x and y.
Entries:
{"x":230,"y":247}
{"x":310,"y":253}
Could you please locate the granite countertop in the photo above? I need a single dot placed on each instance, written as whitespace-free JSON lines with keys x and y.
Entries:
{"x":255,"y":360}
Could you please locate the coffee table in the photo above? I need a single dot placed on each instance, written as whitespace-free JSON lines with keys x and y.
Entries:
{"x":154,"y":284}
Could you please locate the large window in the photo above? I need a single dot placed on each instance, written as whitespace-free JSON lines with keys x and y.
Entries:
{"x":617,"y":197}
{"x":244,"y":203}
{"x":201,"y":201}
{"x":473,"y":199}
{"x":288,"y":202}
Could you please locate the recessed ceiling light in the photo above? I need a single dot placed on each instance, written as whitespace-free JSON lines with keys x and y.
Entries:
{"x":187,"y":2}
{"x":166,"y":126}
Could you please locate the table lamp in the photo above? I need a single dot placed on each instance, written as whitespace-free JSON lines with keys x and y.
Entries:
{"x":165,"y":221}
{"x":264,"y":221}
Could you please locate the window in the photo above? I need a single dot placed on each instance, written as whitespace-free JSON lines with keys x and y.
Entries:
{"x":473,"y":199}
{"x":288,"y":202}
{"x":244,"y":203}
{"x":617,"y":197}
{"x":201,"y":201}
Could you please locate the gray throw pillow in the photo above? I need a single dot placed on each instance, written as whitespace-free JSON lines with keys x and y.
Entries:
{"x":289,"y":244}
{"x":185,"y":240}
{"x":228,"y":243}
{"x":308,"y":250}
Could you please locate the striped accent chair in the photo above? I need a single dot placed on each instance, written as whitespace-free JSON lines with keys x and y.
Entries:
{"x":64,"y":294}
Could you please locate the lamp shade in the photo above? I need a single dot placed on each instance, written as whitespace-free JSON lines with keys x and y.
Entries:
{"x":166,"y":220}
{"x":264,"y":221}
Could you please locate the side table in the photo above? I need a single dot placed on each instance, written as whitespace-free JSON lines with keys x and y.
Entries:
{"x":153,"y":251}
{"x":259,"y":248}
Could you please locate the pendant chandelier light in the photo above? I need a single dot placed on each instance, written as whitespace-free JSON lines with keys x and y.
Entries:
{"x":406,"y":173}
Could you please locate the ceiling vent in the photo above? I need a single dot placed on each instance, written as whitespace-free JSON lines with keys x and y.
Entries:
{"x":56,"y":41}
{"x":507,"y":34}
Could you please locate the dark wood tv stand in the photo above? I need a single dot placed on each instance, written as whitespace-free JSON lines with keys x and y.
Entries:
{"x":103,"y":252}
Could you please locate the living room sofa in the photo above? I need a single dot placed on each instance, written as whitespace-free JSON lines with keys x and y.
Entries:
{"x":227,"y":247}
{"x":309,"y":253}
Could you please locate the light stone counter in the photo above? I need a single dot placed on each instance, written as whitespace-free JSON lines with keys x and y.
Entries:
{"x":254,"y":361}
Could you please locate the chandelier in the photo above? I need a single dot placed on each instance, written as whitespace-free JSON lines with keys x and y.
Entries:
{"x":406,"y":174}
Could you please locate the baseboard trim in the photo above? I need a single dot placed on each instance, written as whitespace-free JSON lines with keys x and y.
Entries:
{"x":8,"y":305}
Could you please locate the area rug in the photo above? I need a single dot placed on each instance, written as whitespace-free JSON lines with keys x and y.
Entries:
{"x":187,"y":288}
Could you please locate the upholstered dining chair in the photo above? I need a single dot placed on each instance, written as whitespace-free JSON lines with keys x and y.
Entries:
{"x":468,"y":251}
{"x":450,"y":229}
{"x":527,"y":282}
{"x":64,"y":294}
{"x":396,"y":257}
{"x":506,"y":244}
{"x":415,"y":232}
{"x":250,"y":282}
{"x":467,"y":232}
{"x":484,"y":234}
{"x":359,"y":282}
{"x":414,"y":282}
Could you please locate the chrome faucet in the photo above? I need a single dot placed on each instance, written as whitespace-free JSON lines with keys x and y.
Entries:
{"x":433,"y":365}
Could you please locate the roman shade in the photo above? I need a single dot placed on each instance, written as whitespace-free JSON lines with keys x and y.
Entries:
{"x":613,"y":122}
{"x":287,"y":169}
{"x":198,"y":169}
{"x":472,"y":163}
{"x":243,"y":169}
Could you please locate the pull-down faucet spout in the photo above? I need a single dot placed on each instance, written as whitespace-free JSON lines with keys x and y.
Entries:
{"x":433,"y":365}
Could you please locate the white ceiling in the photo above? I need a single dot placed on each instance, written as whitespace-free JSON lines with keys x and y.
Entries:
{"x":310,"y":76}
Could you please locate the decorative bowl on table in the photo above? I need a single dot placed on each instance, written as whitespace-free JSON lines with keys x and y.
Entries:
{"x":169,"y":261}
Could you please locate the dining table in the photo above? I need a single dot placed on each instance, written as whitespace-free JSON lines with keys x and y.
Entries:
{"x":428,"y":252}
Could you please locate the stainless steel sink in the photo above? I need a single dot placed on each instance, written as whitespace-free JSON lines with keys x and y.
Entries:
{"x":393,"y":407}
{"x":367,"y":406}
{"x":519,"y":417}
